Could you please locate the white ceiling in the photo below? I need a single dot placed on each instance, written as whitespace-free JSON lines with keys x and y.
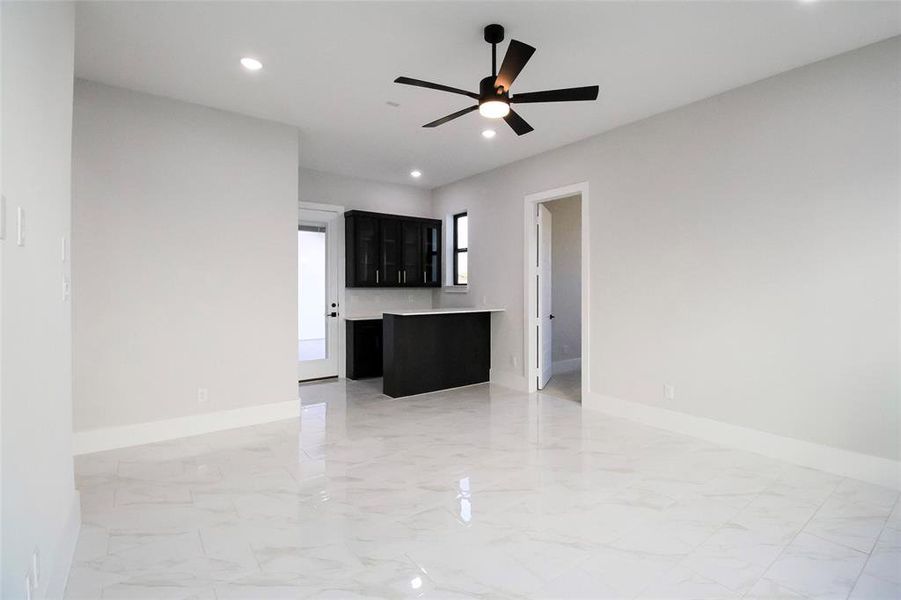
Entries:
{"x":329,"y":67}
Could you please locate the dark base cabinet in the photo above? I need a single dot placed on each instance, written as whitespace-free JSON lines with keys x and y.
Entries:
{"x":425,"y":353}
{"x":364,"y":349}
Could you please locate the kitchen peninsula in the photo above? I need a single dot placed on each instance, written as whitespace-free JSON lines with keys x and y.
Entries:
{"x":425,"y":350}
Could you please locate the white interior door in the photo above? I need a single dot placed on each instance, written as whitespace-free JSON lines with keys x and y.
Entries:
{"x":317,"y":294}
{"x":544,"y":283}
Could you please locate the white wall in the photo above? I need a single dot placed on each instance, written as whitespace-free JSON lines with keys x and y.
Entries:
{"x":184,"y":255}
{"x":566,"y":273}
{"x":39,"y":504}
{"x":375,"y":196}
{"x":743,"y":248}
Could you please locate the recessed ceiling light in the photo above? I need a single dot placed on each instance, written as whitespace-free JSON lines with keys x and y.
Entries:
{"x":251,"y":64}
{"x":489,"y":133}
{"x":415,"y":174}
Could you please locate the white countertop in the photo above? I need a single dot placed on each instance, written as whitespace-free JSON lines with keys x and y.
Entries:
{"x":424,"y":311}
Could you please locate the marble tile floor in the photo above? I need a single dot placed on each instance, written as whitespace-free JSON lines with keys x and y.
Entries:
{"x":566,"y":385}
{"x":480,"y":492}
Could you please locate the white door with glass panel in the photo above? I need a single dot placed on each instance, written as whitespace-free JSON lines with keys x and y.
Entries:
{"x":317,"y":294}
{"x":545,"y":286}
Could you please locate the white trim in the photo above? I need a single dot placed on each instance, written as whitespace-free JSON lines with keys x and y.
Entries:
{"x":508,"y":379}
{"x":455,"y":289}
{"x":342,"y":326}
{"x":567,"y":365}
{"x":530,"y":293}
{"x":97,"y":440}
{"x":865,"y":467}
{"x":58,"y":573}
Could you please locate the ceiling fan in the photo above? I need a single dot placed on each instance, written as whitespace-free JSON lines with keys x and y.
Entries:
{"x":494,"y":91}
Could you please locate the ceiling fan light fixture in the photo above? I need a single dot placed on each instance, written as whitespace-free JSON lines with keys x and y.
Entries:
{"x":494,"y":109}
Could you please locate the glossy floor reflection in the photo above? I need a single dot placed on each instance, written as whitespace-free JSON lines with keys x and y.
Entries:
{"x":566,"y":385}
{"x":478,"y":492}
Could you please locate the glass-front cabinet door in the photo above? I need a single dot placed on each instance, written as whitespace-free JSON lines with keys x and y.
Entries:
{"x":365,"y":234}
{"x":389,"y":262}
{"x":412,"y":273}
{"x":431,"y":244}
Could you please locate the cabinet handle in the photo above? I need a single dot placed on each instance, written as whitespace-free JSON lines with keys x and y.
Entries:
{"x":424,"y":278}
{"x":405,"y":276}
{"x":376,"y":275}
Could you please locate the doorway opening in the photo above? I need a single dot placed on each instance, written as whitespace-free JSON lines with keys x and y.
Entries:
{"x":318,"y":290}
{"x":556,"y":282}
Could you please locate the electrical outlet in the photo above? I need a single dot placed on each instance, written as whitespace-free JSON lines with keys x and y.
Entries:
{"x":669,"y":391}
{"x":203,"y":395}
{"x":36,"y":568}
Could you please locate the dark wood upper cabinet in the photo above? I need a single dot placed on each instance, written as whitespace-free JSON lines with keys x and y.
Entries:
{"x":362,"y":258}
{"x":431,"y":253}
{"x":411,"y":253}
{"x":391,"y":250}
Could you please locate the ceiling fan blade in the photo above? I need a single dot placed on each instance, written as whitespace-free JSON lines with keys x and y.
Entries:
{"x":517,"y":123}
{"x":451,"y":116}
{"x":565,"y":95}
{"x":518,"y":54}
{"x":435,"y":86}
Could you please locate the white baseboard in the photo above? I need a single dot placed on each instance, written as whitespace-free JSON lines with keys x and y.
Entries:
{"x":872,"y":469}
{"x":97,"y":440}
{"x":567,"y":366}
{"x":58,"y":573}
{"x":515,"y":381}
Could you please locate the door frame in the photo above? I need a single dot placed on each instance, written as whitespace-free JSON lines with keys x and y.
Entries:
{"x":342,"y":326}
{"x":530,"y":292}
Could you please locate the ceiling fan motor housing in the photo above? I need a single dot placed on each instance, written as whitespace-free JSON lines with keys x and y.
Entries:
{"x":487,"y":91}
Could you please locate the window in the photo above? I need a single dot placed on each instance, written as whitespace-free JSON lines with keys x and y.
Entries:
{"x":461,"y":248}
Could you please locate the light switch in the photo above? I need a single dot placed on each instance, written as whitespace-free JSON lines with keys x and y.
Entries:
{"x":20,"y":226}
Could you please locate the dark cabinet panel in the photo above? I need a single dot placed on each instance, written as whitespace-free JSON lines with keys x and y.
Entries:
{"x":411,"y":253}
{"x":362,"y":256}
{"x":364,"y":349}
{"x":391,"y":250}
{"x":431,"y":253}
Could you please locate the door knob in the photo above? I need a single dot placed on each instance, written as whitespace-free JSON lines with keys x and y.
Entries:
{"x":332,"y":314}
{"x":552,"y":316}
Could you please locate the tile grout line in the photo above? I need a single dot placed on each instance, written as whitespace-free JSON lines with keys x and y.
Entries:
{"x":870,"y":553}
{"x":799,"y":532}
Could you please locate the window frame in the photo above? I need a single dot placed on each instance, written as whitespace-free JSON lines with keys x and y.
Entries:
{"x":457,"y":251}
